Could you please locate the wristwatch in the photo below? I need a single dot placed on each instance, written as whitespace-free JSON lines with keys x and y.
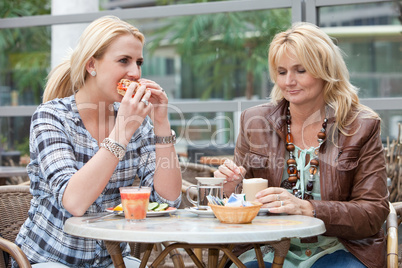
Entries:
{"x":166,"y":139}
{"x":114,"y":147}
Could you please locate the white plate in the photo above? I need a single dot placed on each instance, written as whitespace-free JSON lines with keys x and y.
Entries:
{"x":161,"y":213}
{"x":151,"y":213}
{"x":201,"y":212}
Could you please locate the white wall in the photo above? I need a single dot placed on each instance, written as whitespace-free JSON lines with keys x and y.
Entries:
{"x":65,"y":37}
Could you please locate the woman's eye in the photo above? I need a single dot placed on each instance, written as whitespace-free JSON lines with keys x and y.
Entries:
{"x":140,"y":63}
{"x":124,"y":60}
{"x":281,"y":72}
{"x":301,"y":71}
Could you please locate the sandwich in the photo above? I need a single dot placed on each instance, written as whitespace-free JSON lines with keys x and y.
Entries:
{"x":124,"y":84}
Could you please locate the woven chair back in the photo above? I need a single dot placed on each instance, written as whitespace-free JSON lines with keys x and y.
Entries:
{"x":14,"y":205}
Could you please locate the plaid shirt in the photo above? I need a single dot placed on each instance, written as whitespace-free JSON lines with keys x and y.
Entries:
{"x":60,"y":145}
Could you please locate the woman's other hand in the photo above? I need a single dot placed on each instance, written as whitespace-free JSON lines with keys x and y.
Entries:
{"x":232,"y":173}
{"x":279,"y":200}
{"x":159,"y":100}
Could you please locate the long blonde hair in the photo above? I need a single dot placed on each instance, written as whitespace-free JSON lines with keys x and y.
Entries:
{"x":70,"y":75}
{"x":323,"y":59}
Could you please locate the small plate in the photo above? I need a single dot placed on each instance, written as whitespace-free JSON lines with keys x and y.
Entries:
{"x":201,"y":212}
{"x":151,"y":213}
{"x":263,"y":211}
{"x":161,"y":213}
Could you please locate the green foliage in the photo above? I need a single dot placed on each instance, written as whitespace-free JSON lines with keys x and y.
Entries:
{"x":26,"y":50}
{"x":218,"y":48}
{"x":23,"y":147}
{"x":19,"y":8}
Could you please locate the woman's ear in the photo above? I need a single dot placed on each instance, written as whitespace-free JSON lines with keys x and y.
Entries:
{"x":90,"y":65}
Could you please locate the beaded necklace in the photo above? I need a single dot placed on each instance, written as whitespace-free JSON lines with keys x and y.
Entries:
{"x":293,"y":173}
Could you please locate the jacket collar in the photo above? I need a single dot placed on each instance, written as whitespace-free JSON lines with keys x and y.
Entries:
{"x":277,"y":118}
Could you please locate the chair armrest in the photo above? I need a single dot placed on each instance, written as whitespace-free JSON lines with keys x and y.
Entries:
{"x":15,"y":252}
{"x":392,"y":236}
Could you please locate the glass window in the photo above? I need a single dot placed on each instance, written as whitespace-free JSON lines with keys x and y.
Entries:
{"x":369,"y":34}
{"x":24,"y":64}
{"x":212,"y":56}
{"x":371,"y":42}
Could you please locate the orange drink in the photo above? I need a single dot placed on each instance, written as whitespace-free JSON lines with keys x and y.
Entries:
{"x":135,"y":202}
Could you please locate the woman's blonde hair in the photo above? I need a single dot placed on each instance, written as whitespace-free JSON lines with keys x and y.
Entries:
{"x":70,"y":75}
{"x":323,"y":59}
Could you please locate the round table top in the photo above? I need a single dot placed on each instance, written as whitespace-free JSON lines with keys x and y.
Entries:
{"x":184,"y":226}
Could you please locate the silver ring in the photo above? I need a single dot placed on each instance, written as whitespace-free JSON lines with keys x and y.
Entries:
{"x":278,"y":197}
{"x":281,"y":203}
{"x":145,"y":102}
{"x":162,"y":90}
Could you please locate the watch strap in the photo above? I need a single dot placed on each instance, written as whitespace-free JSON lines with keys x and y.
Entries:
{"x":166,"y":139}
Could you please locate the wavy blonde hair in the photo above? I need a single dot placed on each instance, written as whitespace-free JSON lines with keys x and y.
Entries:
{"x":70,"y":75}
{"x":323,"y":59}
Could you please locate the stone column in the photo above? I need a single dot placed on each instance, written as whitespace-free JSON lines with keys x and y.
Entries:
{"x":65,"y":37}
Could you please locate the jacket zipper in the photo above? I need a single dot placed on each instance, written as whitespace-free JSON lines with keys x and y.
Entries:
{"x":339,"y":154}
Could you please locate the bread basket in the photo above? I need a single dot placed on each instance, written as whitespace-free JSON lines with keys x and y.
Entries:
{"x":227,"y":214}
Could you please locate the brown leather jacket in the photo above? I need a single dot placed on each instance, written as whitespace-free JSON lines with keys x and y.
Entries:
{"x":354,"y":192}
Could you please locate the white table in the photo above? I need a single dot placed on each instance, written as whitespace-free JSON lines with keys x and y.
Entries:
{"x":187,"y":231}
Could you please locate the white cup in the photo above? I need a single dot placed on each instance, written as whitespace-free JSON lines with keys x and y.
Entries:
{"x":252,"y":186}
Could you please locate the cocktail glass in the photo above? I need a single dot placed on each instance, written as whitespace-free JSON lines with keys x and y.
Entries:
{"x":135,"y":202}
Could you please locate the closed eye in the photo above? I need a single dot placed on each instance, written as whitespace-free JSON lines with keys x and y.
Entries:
{"x":281,"y":72}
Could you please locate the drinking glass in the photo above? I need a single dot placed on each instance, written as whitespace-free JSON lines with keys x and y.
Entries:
{"x":135,"y":202}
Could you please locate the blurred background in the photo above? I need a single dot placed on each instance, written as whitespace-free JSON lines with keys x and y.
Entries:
{"x":210,"y":57}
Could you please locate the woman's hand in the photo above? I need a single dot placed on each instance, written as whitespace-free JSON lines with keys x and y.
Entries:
{"x":132,"y":112}
{"x":232,"y":173}
{"x":279,"y":200}
{"x":159,"y":101}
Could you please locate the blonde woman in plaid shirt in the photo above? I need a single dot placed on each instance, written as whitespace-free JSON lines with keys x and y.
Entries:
{"x":87,"y":141}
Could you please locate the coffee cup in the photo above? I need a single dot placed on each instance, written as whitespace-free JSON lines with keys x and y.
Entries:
{"x":252,"y":186}
{"x":205,"y":186}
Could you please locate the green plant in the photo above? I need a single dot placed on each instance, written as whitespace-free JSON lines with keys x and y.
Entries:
{"x":221,"y":50}
{"x":25,"y":51}
{"x":23,"y":146}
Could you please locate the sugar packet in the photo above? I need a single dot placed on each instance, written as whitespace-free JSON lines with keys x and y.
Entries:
{"x":237,"y":200}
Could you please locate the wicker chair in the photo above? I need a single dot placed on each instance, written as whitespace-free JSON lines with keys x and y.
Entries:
{"x":394,"y":251}
{"x":14,"y":206}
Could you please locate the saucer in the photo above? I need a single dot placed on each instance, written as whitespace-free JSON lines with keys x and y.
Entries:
{"x":201,"y":212}
{"x":263,"y":212}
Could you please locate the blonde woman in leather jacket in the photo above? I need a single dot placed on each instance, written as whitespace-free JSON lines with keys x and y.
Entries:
{"x":321,"y":152}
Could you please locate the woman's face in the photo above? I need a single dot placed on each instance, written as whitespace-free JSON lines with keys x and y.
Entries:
{"x":122,"y":59}
{"x":297,"y":85}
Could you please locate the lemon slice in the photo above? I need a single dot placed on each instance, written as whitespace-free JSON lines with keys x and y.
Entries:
{"x":162,"y":207}
{"x":118,"y":208}
{"x":153,"y":206}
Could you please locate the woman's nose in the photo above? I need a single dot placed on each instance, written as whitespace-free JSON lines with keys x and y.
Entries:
{"x":135,"y":72}
{"x":290,"y":79}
